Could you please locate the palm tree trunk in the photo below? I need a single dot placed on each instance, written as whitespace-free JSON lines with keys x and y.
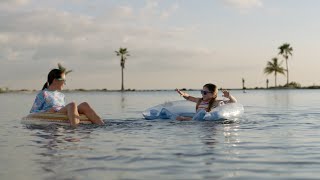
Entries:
{"x":122,"y":88}
{"x":275,"y":79}
{"x":287,"y":72}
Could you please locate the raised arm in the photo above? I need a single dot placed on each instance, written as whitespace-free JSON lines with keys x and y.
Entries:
{"x":229,"y":96}
{"x":187,"y":96}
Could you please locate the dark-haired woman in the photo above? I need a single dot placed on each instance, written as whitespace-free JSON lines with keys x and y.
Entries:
{"x":50,"y":99}
{"x":208,"y":101}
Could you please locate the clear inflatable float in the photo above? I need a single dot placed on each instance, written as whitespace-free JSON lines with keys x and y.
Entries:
{"x":170,"y":110}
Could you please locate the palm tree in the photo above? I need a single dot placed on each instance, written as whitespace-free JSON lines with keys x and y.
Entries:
{"x":63,"y":69}
{"x":285,"y":50}
{"x":274,"y":67}
{"x":124,"y":54}
{"x":267,"y":82}
{"x":243,"y":81}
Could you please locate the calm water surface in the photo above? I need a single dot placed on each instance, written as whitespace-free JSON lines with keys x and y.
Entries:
{"x":277,"y":138}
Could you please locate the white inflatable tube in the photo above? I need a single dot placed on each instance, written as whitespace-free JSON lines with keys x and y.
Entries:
{"x":170,"y":110}
{"x":227,"y":111}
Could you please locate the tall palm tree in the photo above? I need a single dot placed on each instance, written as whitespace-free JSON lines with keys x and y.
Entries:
{"x":267,"y":82}
{"x":274,"y":67}
{"x":63,"y":69}
{"x":243,"y":81}
{"x":285,"y":50}
{"x":123,"y":53}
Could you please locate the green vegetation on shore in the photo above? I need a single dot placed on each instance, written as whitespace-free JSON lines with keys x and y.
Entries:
{"x":291,"y":86}
{"x":273,"y":66}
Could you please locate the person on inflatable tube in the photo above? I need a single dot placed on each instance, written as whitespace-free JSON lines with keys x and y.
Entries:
{"x":51,"y":99}
{"x":208,"y":101}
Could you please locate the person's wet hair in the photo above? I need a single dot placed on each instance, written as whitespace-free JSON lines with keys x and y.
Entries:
{"x":53,"y":74}
{"x":212,"y":88}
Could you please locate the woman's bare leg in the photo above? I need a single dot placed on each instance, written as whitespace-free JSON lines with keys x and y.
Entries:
{"x":84,"y":108}
{"x":71,"y":110}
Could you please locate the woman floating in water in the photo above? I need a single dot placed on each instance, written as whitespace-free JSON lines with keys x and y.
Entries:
{"x":208,"y":101}
{"x":51,"y":99}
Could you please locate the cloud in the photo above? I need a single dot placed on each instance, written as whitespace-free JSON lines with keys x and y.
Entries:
{"x":152,"y":11}
{"x":244,"y":4}
{"x":172,"y":9}
{"x":46,"y":34}
{"x":14,"y":2}
{"x":39,"y":38}
{"x":11,"y":5}
{"x":123,"y":12}
{"x":149,"y":10}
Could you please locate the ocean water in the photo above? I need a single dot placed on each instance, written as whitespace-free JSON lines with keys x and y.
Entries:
{"x":278,"y":137}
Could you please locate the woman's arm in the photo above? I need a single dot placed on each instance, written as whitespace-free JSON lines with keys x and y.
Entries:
{"x":187,"y":96}
{"x":229,"y":96}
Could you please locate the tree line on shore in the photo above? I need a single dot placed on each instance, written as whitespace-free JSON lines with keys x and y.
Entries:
{"x":275,"y":67}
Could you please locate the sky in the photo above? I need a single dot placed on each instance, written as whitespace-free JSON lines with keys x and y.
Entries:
{"x":172,"y":43}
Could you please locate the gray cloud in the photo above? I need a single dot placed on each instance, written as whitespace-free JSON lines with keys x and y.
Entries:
{"x":35,"y":40}
{"x":244,"y":4}
{"x":14,"y":2}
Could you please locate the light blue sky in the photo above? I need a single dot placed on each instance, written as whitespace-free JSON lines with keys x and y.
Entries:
{"x":172,"y":43}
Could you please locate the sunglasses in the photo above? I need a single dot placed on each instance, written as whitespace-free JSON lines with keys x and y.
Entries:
{"x":205,"y":92}
{"x":61,"y":79}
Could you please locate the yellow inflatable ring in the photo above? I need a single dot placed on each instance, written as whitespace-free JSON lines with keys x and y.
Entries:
{"x":47,"y":118}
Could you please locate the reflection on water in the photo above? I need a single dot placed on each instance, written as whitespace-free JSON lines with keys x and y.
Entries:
{"x":277,"y":138}
{"x":208,"y":133}
{"x":59,"y":144}
{"x":280,"y":98}
{"x":123,"y":101}
{"x":231,"y":134}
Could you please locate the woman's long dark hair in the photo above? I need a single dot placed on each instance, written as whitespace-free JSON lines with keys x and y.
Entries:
{"x":212,"y":88}
{"x":53,"y":74}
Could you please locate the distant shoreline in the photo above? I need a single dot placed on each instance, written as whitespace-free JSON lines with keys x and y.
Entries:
{"x":156,"y":90}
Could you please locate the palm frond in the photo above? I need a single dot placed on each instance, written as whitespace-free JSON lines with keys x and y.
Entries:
{"x":285,"y":49}
{"x":274,"y":66}
{"x":63,"y":69}
{"x":67,"y":72}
